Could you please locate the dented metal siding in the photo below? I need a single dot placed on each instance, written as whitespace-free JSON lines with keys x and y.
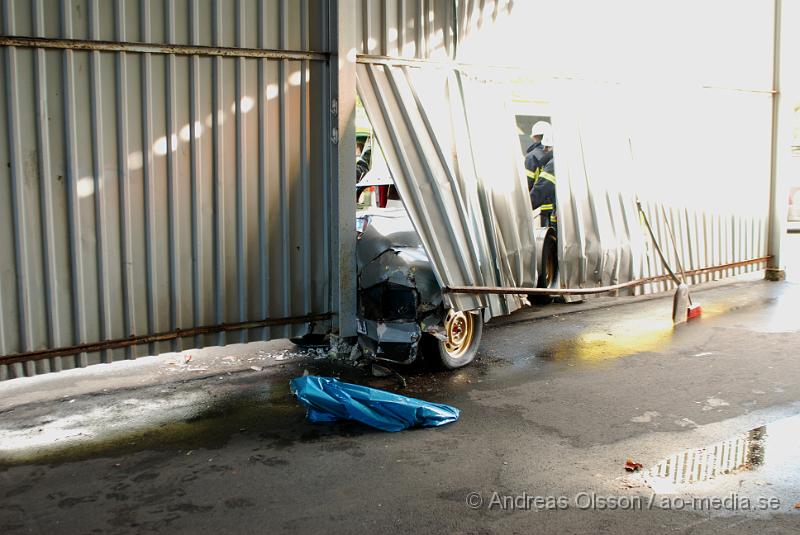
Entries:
{"x":161,"y":181}
{"x":705,"y":240}
{"x":462,"y":180}
{"x":716,"y":210}
{"x":602,"y":241}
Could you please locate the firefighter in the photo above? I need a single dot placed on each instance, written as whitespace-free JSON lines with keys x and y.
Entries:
{"x":536,"y":157}
{"x":543,"y":192}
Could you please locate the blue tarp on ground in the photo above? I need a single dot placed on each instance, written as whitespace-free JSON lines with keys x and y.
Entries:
{"x":329,"y":399}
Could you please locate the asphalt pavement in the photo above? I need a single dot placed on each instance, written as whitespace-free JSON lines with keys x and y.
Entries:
{"x":556,"y":404}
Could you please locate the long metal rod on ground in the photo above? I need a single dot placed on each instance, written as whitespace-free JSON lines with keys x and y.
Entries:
{"x":599,"y":289}
{"x":158,"y":337}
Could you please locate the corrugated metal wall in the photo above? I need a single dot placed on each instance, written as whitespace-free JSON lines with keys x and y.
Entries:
{"x":425,"y":29}
{"x":680,"y":160}
{"x":148,"y":190}
{"x":703,"y":110}
{"x":405,"y":28}
{"x":148,"y":187}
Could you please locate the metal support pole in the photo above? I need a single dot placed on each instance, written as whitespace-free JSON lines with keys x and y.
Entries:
{"x":777,"y":202}
{"x":343,"y":139}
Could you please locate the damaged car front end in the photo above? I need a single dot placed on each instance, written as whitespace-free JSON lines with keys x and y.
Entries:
{"x":399,"y":299}
{"x":401,"y":311}
{"x":402,"y":314}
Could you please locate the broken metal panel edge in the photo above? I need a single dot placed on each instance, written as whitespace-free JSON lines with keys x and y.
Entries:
{"x":370,"y":94}
{"x":395,"y":332}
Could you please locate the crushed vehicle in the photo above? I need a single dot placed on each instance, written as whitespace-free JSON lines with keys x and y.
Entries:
{"x":401,"y":311}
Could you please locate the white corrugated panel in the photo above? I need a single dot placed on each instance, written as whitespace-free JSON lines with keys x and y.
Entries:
{"x":698,"y":172}
{"x":450,"y":146}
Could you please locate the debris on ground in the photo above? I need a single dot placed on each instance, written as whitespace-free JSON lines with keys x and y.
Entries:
{"x":187,"y":359}
{"x":380,"y":371}
{"x":627,"y":483}
{"x":328,"y":399}
{"x":633,"y":466}
{"x":283,"y":354}
{"x":339,"y":346}
{"x":401,"y":381}
{"x":318,"y":353}
{"x":256,"y":368}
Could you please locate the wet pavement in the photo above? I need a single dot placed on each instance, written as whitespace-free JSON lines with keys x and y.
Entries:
{"x":551,"y":411}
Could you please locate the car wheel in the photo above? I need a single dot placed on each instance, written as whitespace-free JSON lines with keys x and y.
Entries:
{"x":548,"y":273}
{"x":463,"y":330}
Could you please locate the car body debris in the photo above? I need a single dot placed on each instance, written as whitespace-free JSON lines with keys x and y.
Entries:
{"x":328,"y":400}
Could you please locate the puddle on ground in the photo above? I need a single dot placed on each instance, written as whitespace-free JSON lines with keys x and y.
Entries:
{"x":765,"y":459}
{"x":202,"y":414}
{"x":651,"y":329}
{"x":174,"y":420}
{"x":628,"y":336}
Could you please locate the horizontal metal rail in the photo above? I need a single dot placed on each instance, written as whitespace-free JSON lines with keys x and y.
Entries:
{"x":599,"y":289}
{"x":159,"y":337}
{"x":397,"y":61}
{"x":394,"y":61}
{"x":742,"y":89}
{"x":149,"y":48}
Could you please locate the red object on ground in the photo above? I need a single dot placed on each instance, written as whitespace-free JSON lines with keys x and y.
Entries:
{"x":633,"y":466}
{"x":694,"y":311}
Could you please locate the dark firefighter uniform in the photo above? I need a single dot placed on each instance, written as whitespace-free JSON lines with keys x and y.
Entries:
{"x":535,"y":159}
{"x":543,"y":193}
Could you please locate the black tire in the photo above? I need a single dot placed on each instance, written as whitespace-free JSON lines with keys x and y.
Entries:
{"x":460,"y":357}
{"x":548,"y":270}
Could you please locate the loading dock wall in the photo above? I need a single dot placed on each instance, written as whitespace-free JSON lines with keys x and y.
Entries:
{"x":166,"y":176}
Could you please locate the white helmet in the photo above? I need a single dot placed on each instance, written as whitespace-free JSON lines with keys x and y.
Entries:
{"x":547,"y":139}
{"x":540,"y":128}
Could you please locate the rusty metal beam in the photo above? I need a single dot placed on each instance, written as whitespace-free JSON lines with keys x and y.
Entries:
{"x":159,"y":337}
{"x":599,"y":289}
{"x":148,"y":48}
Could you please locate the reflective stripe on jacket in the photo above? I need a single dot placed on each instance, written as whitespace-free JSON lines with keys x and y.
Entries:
{"x":543,"y":194}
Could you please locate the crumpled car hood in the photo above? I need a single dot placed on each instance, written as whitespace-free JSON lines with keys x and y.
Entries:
{"x":390,"y":250}
{"x":399,"y":296}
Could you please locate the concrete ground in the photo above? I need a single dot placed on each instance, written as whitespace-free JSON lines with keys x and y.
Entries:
{"x":557,"y":401}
